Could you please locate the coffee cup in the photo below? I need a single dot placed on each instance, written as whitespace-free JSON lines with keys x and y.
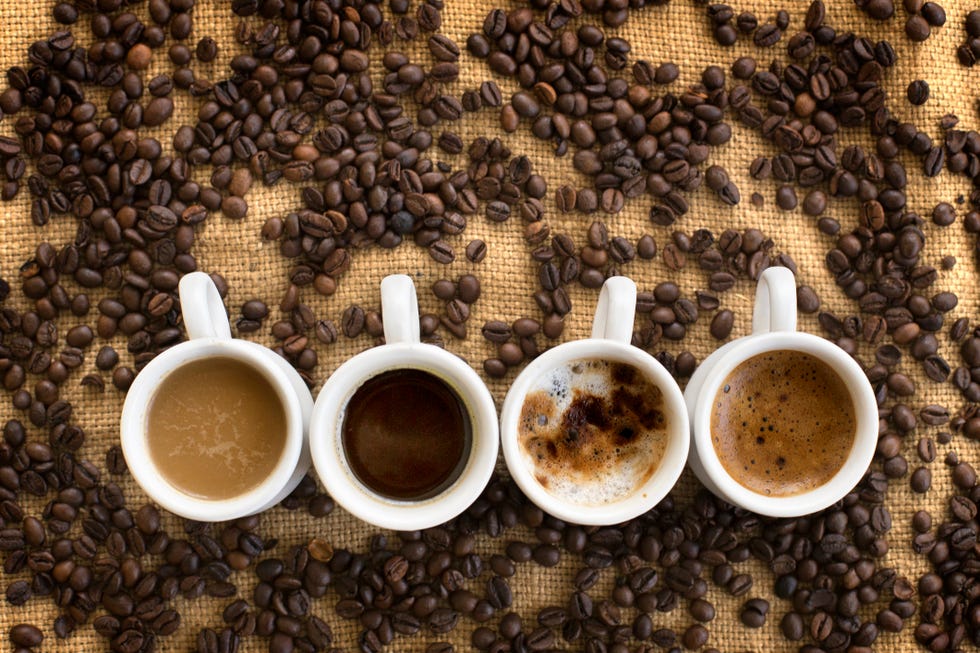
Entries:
{"x":595,"y":431}
{"x":214,"y":428}
{"x":784,"y":423}
{"x":404,"y":435}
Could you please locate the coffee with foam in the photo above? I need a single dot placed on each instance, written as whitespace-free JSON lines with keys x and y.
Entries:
{"x":593,"y":431}
{"x":783,"y":423}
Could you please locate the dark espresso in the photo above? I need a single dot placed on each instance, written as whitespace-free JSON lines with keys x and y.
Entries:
{"x":783,"y":423}
{"x":406,"y":434}
{"x":215,"y":428}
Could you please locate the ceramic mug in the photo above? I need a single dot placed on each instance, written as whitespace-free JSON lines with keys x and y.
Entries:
{"x":773,"y":330}
{"x":209,"y":336}
{"x":612,"y":330}
{"x":403,"y":350}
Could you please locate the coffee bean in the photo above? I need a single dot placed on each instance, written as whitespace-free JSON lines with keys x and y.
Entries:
{"x":115,"y":462}
{"x":721,"y":324}
{"x":916,"y":27}
{"x":234,"y":207}
{"x":123,"y":377}
{"x":476,"y":251}
{"x":26,"y":635}
{"x":666,"y":73}
{"x":495,"y":368}
{"x":207,"y":50}
{"x":469,"y":288}
{"x":158,"y":111}
{"x":565,"y":198}
{"x":702,"y":610}
{"x":441,"y":252}
{"x":754,"y":612}
{"x":444,"y":289}
{"x":673,"y":258}
{"x":352,"y":321}
{"x":921,"y":480}
{"x":786,"y":198}
{"x":918,"y":92}
{"x":546,"y":555}
{"x":964,"y":476}
{"x":695,"y":637}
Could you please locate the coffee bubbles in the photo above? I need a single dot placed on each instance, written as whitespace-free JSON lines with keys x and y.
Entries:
{"x":783,"y":423}
{"x":593,"y":431}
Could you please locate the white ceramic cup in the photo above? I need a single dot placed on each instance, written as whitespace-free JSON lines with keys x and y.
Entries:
{"x":210,"y":336}
{"x":402,"y":350}
{"x":774,"y":329}
{"x":612,"y":330}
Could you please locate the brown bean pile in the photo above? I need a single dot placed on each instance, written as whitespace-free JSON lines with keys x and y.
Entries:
{"x":369,"y":177}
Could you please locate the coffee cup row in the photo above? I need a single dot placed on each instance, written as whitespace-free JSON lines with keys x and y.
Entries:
{"x":561,"y":427}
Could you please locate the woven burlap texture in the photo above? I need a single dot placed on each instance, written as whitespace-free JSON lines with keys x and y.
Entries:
{"x":254,"y":269}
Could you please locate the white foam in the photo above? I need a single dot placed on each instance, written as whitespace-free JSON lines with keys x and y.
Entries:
{"x":612,"y":473}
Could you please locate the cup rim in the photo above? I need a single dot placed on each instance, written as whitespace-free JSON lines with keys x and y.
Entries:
{"x":659,"y":483}
{"x":855,"y":464}
{"x":133,"y":433}
{"x":326,"y":447}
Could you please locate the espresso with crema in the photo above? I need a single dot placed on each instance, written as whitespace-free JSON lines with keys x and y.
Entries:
{"x":783,"y":423}
{"x":215,"y":428}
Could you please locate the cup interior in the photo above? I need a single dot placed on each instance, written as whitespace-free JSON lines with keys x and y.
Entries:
{"x":134,"y":431}
{"x":336,"y":471}
{"x":855,"y":463}
{"x":656,"y":485}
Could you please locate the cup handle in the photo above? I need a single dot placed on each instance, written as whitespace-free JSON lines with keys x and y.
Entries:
{"x":399,"y":309}
{"x":202,"y":309}
{"x":775,"y":301}
{"x":614,"y":313}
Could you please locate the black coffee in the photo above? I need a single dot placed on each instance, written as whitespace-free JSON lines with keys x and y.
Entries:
{"x":406,"y":434}
{"x":783,"y":423}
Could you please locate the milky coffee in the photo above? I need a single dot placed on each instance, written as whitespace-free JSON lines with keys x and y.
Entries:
{"x":593,"y":431}
{"x":215,"y":428}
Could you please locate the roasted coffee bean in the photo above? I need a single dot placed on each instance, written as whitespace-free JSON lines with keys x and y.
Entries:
{"x":916,"y":27}
{"x":207,"y":50}
{"x":695,"y":637}
{"x":754,"y":612}
{"x":441,"y":252}
{"x":476,"y":251}
{"x":921,"y":480}
{"x":352,"y":321}
{"x":646,"y":247}
{"x":666,"y":73}
{"x":26,"y":635}
{"x":721,"y":324}
{"x":918,"y":92}
{"x":964,"y":476}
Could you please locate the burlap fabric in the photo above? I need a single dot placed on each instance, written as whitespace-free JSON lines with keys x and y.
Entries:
{"x":678,"y":32}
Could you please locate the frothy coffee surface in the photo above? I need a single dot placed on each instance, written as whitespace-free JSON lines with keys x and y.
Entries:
{"x":593,"y":431}
{"x":215,"y":428}
{"x":783,"y":423}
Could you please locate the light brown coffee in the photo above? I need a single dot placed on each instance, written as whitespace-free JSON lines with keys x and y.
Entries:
{"x":215,"y":428}
{"x":783,"y":423}
{"x":593,"y":431}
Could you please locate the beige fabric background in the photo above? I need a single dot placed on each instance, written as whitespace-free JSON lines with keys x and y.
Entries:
{"x":678,"y":32}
